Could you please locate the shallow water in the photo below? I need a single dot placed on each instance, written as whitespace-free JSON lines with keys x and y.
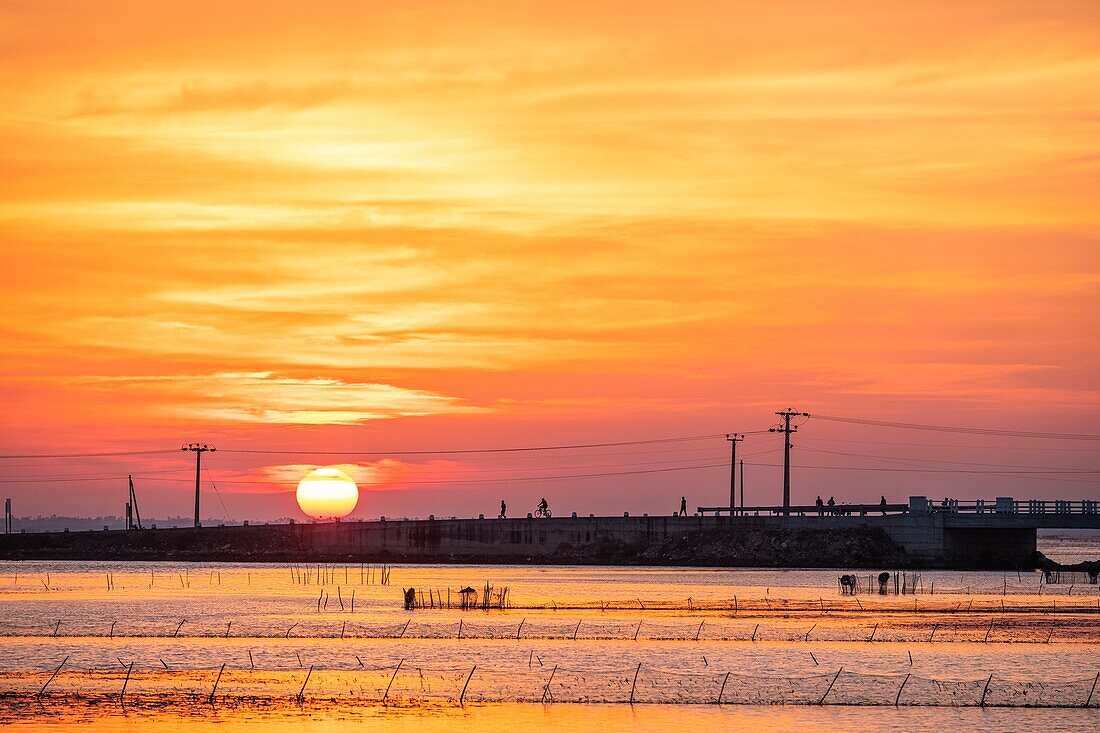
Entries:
{"x":315,"y":647}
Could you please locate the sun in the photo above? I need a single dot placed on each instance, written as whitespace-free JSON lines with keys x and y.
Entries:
{"x":327,"y":493}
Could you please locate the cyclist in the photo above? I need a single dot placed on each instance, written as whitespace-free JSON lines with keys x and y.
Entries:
{"x":544,"y":508}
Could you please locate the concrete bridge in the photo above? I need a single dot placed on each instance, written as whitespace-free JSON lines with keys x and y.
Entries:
{"x":977,"y":533}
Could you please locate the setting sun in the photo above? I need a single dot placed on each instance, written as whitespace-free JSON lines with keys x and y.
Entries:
{"x":327,"y":493}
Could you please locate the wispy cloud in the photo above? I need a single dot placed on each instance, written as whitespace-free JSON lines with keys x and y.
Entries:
{"x":264,"y":397}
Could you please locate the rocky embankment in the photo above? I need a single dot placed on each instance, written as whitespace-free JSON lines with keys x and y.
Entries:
{"x":214,"y":544}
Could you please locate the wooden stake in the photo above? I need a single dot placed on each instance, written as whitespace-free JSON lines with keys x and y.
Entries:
{"x":633,"y":686}
{"x":387,"y":693}
{"x":214,"y":691}
{"x":822,"y":700}
{"x":462,"y":697}
{"x":546,"y":688}
{"x":898,"y":698}
{"x":302,"y":692}
{"x":125,"y":682}
{"x":67,"y":659}
{"x":984,"y":691}
{"x":722,"y":691}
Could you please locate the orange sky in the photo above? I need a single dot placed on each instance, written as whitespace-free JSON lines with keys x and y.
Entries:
{"x":400,"y":226}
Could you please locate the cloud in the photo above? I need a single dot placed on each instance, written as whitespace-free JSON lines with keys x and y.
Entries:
{"x":264,"y":397}
{"x":378,"y":475}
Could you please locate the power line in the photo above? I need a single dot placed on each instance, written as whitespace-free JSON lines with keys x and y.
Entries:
{"x":459,"y":451}
{"x":85,"y":455}
{"x":958,"y":429}
{"x":1053,"y":469}
{"x":952,"y":446}
{"x":462,"y":451}
{"x":162,"y":477}
{"x":515,"y":479}
{"x":216,"y":492}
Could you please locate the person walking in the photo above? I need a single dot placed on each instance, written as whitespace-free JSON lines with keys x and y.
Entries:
{"x":683,"y":507}
{"x":882,"y":505}
{"x":503,"y":510}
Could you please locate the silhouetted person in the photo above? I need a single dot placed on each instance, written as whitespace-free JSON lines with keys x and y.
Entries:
{"x":832,"y":505}
{"x":503,"y":509}
{"x":683,"y":507}
{"x":882,"y":505}
{"x":820,"y":506}
{"x":544,"y":508}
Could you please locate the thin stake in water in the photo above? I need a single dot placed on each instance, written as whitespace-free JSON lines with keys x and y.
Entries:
{"x":387,"y":693}
{"x":40,"y":692}
{"x":302,"y":692}
{"x":215,"y":690}
{"x":125,"y":682}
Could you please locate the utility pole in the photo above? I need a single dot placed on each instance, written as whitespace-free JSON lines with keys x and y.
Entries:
{"x":786,"y":428}
{"x":135,"y":515}
{"x":198,"y":449}
{"x":734,"y":439}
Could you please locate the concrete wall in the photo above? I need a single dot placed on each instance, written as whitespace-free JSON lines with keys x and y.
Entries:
{"x":926,"y":538}
{"x":939,"y":540}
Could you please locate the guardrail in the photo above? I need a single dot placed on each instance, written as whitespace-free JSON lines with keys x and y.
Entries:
{"x":1001,"y":505}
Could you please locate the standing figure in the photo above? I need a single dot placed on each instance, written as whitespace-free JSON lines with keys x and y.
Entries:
{"x":503,"y":510}
{"x":683,"y":507}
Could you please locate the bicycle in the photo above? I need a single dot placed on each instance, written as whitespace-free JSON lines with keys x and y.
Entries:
{"x":543,"y":513}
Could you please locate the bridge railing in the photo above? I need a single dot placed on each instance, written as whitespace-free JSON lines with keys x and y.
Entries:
{"x":922,"y":505}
